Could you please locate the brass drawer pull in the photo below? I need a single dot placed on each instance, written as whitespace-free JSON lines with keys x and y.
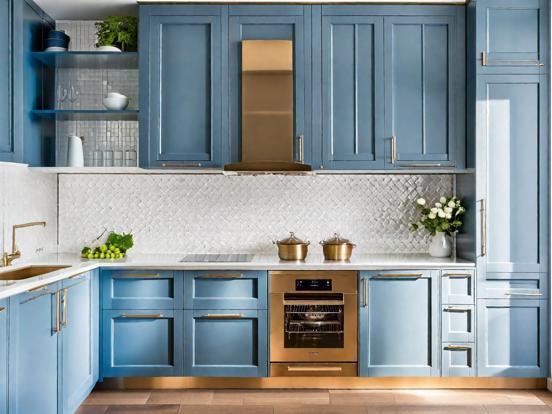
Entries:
{"x":139,"y":275}
{"x":2,"y":309}
{"x":364,"y":293}
{"x":457,"y":275}
{"x":522,"y":62}
{"x":393,"y":149}
{"x":512,"y":293}
{"x":455,"y":309}
{"x":222,"y":276}
{"x":183,"y":165}
{"x":399,"y":275}
{"x":458,"y":348}
{"x":222,"y":316}
{"x":141,"y":316}
{"x":64,"y":307}
{"x":424,"y":165}
{"x":300,"y":150}
{"x":314,"y":302}
{"x":39,"y":289}
{"x":483,"y":224}
{"x":57,"y":327}
{"x":314,"y":369}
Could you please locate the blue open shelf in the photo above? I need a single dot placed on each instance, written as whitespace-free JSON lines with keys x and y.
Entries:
{"x":87,"y":114}
{"x":88,"y":60}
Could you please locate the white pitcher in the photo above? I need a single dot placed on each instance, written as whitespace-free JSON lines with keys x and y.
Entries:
{"x":75,"y":154}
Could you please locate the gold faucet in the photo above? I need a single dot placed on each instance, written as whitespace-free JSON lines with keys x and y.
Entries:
{"x":8,"y":258}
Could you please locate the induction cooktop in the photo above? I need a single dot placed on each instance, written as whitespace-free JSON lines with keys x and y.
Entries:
{"x":218,"y":258}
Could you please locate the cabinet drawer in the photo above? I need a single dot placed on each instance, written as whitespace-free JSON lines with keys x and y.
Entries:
{"x":141,"y":289}
{"x":458,"y":360}
{"x":142,"y":343}
{"x":458,"y":287}
{"x":458,"y":323}
{"x":226,"y":343}
{"x":225,"y":289}
{"x":513,"y":286}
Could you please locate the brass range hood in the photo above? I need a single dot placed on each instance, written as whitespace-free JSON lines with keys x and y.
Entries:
{"x":267,"y":125}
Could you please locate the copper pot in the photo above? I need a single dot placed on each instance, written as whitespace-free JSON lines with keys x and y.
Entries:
{"x":292,"y":248}
{"x":337,"y":248}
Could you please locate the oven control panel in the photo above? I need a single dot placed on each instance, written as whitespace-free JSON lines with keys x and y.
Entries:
{"x":313,"y":285}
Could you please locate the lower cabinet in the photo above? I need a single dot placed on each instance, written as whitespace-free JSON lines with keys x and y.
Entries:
{"x":4,"y":313}
{"x":33,"y":365}
{"x":226,"y":343}
{"x":458,"y":360}
{"x":398,"y":333}
{"x":142,"y":343}
{"x":512,"y":338}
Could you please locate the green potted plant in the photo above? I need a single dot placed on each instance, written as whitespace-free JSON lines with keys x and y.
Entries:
{"x":118,"y":33}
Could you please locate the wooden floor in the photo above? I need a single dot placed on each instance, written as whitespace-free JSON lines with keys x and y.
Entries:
{"x":318,"y":402}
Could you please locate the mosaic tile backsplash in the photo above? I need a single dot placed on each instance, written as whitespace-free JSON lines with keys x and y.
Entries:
{"x":217,"y":213}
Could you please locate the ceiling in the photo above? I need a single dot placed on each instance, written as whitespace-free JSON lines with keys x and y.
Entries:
{"x":87,"y":9}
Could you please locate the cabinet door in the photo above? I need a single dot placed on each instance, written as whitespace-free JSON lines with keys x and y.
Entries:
{"x":226,"y":343}
{"x":142,"y":343}
{"x":271,"y":23}
{"x":6,"y":132}
{"x":420,"y":90}
{"x":182,"y":113}
{"x":458,"y":360}
{"x":33,"y":385}
{"x":511,"y":36}
{"x":458,"y":287}
{"x":352,"y":90}
{"x":4,"y":315}
{"x":512,"y":173}
{"x":77,"y":345}
{"x":399,"y":324}
{"x":512,"y":338}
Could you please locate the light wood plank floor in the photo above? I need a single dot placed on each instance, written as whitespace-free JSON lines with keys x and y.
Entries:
{"x":318,"y":402}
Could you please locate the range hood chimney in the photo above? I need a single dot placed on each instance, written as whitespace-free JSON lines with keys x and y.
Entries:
{"x":267,"y":110}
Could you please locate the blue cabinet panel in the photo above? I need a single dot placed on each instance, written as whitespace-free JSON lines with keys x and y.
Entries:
{"x":226,"y":343}
{"x":512,"y":338}
{"x":33,"y":365}
{"x":458,"y":287}
{"x":512,"y":133}
{"x":421,"y":90}
{"x":458,"y":360}
{"x":398,"y":324}
{"x":271,"y":23}
{"x":141,"y":289}
{"x":6,"y":131}
{"x":352,"y":90}
{"x":225,"y":289}
{"x":458,"y":323}
{"x":512,"y":34}
{"x":4,"y":316}
{"x":512,"y":286}
{"x":142,"y":343}
{"x":182,"y":63}
{"x":77,"y":341}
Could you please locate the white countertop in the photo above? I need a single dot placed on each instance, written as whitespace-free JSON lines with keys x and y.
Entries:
{"x":259,"y":262}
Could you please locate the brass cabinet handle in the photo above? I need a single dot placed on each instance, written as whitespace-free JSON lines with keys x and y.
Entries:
{"x":424,"y":165}
{"x":514,"y":293}
{"x":222,"y":316}
{"x":483,"y":214}
{"x":57,"y":327}
{"x":221,"y":276}
{"x":314,"y":369}
{"x":2,"y":309}
{"x":38,"y":289}
{"x":364,"y":293}
{"x":64,"y":307}
{"x":522,"y":62}
{"x":393,"y":149}
{"x":458,"y":348}
{"x":398,"y":275}
{"x":457,"y":275}
{"x":139,"y":275}
{"x":300,"y":149}
{"x":456,"y":309}
{"x":181,"y":165}
{"x":484,"y":58}
{"x":141,"y":316}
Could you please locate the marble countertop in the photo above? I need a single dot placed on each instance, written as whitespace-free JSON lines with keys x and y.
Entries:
{"x":77,"y":265}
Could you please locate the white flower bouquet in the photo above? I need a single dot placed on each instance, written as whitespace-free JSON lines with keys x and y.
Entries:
{"x":443,"y":217}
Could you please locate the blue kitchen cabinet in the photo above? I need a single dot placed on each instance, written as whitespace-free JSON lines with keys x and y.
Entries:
{"x":79,"y":338}
{"x":399,"y":323}
{"x":182,"y":94}
{"x":458,"y":287}
{"x":33,"y":344}
{"x":512,"y":338}
{"x":512,"y":36}
{"x":458,"y":323}
{"x":458,"y":360}
{"x":141,"y":289}
{"x":142,"y":343}
{"x":6,"y":90}
{"x":283,"y":22}
{"x":226,"y":343}
{"x":512,"y":176}
{"x":4,"y":317}
{"x":424,"y":90}
{"x":225,"y":289}
{"x":352,"y":92}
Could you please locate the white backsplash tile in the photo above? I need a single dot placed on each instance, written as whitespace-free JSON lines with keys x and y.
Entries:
{"x":216,"y":213}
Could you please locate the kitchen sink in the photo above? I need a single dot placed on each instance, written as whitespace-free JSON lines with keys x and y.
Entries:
{"x":28,"y":272}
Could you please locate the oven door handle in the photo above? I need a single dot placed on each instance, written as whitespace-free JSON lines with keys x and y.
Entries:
{"x":314,"y":369}
{"x":314,"y":302}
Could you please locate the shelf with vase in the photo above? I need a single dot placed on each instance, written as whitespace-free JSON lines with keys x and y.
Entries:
{"x":88,"y":59}
{"x":87,"y":114}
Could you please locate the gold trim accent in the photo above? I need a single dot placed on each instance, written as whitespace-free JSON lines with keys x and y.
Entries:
{"x":322,"y":383}
{"x":458,"y":348}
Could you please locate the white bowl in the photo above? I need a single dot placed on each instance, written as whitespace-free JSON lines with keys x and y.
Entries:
{"x":108,"y":49}
{"x":116,"y":95}
{"x":116,"y":103}
{"x":55,"y":49}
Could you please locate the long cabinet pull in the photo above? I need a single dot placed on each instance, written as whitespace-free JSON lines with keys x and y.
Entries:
{"x":522,"y":62}
{"x":512,"y":293}
{"x":181,"y":165}
{"x":456,"y":309}
{"x":314,"y":369}
{"x":393,"y":149}
{"x":141,"y":316}
{"x":398,"y":275}
{"x":64,"y":307}
{"x":423,"y":165}
{"x":139,"y":275}
{"x":300,"y":149}
{"x":222,"y":316}
{"x":457,"y":275}
{"x":458,"y":348}
{"x":483,"y":214}
{"x":222,"y":276}
{"x":364,"y":293}
{"x":39,"y":289}
{"x":57,"y":326}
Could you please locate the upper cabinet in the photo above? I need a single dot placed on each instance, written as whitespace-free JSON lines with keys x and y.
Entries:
{"x":510,"y":36}
{"x":6,"y":136}
{"x":181,"y":85}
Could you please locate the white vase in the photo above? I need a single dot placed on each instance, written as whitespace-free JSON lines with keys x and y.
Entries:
{"x":440,"y":245}
{"x":75,"y":156}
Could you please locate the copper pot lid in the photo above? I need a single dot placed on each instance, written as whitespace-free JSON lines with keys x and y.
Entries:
{"x":291,"y":240}
{"x":337,"y":240}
